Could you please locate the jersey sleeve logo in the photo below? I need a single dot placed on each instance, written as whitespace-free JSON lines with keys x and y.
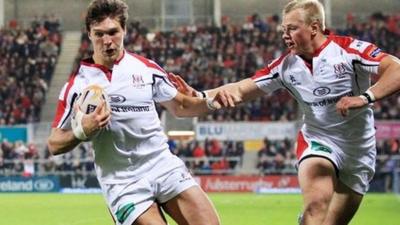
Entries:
{"x":375,"y":53}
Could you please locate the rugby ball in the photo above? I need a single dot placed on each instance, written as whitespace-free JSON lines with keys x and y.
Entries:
{"x":91,"y":97}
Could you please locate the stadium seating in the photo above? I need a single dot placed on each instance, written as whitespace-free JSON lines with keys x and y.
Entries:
{"x":29,"y":56}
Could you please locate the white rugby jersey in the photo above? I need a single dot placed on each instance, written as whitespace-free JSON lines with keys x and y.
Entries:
{"x":340,"y":67}
{"x":134,"y":140}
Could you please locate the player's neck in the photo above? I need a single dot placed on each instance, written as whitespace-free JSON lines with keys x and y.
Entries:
{"x":315,"y":47}
{"x":107,"y":62}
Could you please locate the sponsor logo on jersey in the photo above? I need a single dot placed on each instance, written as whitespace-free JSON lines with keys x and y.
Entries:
{"x":328,"y":101}
{"x":115,"y":98}
{"x":129,"y":108}
{"x":321,"y":91}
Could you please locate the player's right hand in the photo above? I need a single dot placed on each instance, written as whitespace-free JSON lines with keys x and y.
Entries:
{"x":346,"y":103}
{"x":182,"y":86}
{"x":96,"y":120}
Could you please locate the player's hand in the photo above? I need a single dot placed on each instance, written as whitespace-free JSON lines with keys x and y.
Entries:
{"x":346,"y":103}
{"x":96,"y":120}
{"x":224,"y":99}
{"x":182,"y":86}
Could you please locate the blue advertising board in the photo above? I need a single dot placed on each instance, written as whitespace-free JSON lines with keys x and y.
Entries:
{"x":29,"y":184}
{"x":13,"y":134}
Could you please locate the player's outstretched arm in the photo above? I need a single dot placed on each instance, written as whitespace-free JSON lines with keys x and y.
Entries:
{"x":244,"y":90}
{"x":187,"y":106}
{"x":388,"y":83}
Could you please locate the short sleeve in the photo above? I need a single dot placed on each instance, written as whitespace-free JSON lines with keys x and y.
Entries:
{"x":66,"y":99}
{"x":163,"y":89}
{"x":268,"y":79}
{"x":366,"y":56}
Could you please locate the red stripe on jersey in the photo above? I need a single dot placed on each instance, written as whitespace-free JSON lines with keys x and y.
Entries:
{"x":105,"y":70}
{"x":319,"y":50}
{"x":147,"y":62}
{"x":342,"y":41}
{"x":62,"y":103}
{"x":301,"y":145}
{"x":266,"y":70}
{"x":367,"y":54}
{"x":59,"y":113}
{"x":262,"y":72}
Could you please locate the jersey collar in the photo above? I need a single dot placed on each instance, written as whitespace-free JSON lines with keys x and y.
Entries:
{"x":90,"y":62}
{"x":322,"y":47}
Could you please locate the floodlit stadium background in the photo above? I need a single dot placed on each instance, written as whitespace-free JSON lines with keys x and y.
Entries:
{"x":248,"y":150}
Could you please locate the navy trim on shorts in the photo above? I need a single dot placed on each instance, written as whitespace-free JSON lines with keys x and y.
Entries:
{"x":321,"y":156}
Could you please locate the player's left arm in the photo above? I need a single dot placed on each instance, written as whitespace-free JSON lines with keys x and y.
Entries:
{"x":389,"y":78}
{"x":387,"y":84}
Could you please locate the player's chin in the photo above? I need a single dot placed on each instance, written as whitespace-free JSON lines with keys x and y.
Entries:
{"x":110,"y":57}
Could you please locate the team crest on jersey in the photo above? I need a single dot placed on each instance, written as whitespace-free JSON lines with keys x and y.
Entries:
{"x":137,"y":81}
{"x":339,"y":70}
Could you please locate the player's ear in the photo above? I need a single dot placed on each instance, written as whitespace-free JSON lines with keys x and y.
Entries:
{"x":314,"y":28}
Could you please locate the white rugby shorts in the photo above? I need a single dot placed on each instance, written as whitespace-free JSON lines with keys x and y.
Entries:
{"x":354,"y":162}
{"x":127,"y":201}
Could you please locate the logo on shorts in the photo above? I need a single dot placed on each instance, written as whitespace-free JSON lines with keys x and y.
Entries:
{"x":184,"y":177}
{"x":315,"y":146}
{"x":124,"y":212}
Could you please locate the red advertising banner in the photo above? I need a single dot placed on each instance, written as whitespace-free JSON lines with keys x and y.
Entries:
{"x":387,"y":129}
{"x":246,"y":183}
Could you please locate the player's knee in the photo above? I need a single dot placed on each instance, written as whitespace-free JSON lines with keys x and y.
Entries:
{"x":209,"y":222}
{"x":206,"y":220}
{"x":318,"y":207}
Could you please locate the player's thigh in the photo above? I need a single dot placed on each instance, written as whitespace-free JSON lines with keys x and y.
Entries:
{"x":317,"y":179}
{"x":343,"y":206}
{"x":152,"y":216}
{"x":192,"y":207}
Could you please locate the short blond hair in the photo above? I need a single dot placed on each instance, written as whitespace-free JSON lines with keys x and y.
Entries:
{"x":313,"y":11}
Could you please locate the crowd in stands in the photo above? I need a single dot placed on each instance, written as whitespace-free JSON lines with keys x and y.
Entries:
{"x":276,"y":157}
{"x":209,"y":156}
{"x":28,"y":58}
{"x":202,"y":157}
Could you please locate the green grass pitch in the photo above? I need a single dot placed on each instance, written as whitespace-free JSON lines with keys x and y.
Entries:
{"x":234,"y":209}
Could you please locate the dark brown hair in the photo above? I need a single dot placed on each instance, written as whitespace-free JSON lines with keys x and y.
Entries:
{"x":98,"y":10}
